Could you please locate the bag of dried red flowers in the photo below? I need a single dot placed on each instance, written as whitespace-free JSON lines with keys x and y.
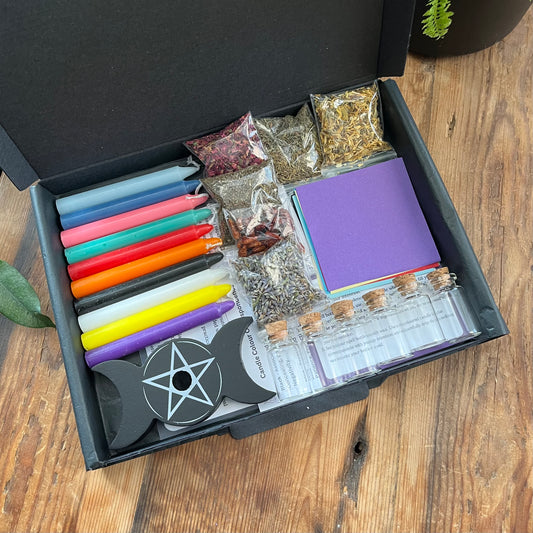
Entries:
{"x":235,"y":147}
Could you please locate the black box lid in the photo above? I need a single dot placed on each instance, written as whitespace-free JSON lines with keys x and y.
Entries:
{"x":93,"y":89}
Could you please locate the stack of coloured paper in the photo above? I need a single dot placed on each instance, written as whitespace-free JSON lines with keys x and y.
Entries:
{"x":365,"y":227}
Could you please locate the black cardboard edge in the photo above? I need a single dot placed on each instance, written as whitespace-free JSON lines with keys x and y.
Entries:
{"x":215,"y":429}
{"x":394,"y":39}
{"x":120,"y":168}
{"x":86,"y":412}
{"x":443,"y":220}
{"x":313,"y":405}
{"x":14,"y":164}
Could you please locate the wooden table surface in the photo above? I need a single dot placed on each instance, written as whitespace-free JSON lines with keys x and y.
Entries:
{"x":443,"y":447}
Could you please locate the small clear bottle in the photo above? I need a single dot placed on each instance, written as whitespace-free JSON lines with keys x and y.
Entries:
{"x":289,"y":363}
{"x":351,"y":335}
{"x":390,"y":346}
{"x":417,"y":317}
{"x":316,"y":340}
{"x":457,"y":321}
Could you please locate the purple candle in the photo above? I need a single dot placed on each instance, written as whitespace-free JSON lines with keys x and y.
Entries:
{"x":157,"y":333}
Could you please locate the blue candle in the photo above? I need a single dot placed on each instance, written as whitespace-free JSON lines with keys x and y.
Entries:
{"x":120,"y":189}
{"x":128,"y":203}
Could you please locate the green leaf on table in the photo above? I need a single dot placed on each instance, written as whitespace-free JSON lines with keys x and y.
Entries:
{"x":18,"y":301}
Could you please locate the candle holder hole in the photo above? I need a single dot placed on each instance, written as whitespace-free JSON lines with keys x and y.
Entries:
{"x":181,"y":380}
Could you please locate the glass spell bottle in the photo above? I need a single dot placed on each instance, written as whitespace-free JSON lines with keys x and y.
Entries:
{"x":351,"y":336}
{"x":417,"y":317}
{"x":289,"y":363}
{"x":451,"y":307}
{"x":384,"y":326}
{"x":317,"y":340}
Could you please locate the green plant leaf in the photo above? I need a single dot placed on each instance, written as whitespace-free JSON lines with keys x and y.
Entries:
{"x":18,"y":301}
{"x":437,"y":19}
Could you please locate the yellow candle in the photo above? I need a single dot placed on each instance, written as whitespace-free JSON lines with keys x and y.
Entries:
{"x":151,"y":317}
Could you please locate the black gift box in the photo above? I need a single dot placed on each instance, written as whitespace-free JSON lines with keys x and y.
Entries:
{"x":94,"y":91}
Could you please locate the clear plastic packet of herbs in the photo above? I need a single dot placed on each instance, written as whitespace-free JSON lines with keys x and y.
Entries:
{"x":292,"y":144}
{"x":238,"y":189}
{"x":349,"y":127}
{"x":252,"y":205}
{"x":258,"y":228}
{"x":276,"y":282}
{"x":235,"y":147}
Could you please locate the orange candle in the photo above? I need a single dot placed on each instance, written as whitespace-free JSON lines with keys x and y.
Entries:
{"x":140,"y":267}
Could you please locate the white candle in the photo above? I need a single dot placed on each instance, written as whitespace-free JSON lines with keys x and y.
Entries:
{"x":146,"y":300}
{"x":120,"y":189}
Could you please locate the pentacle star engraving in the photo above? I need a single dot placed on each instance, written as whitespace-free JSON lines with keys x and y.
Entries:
{"x":195,"y":391}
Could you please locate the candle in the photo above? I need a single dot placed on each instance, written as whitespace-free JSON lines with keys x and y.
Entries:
{"x":144,"y":283}
{"x":131,"y":219}
{"x":140,"y":302}
{"x":120,"y":189}
{"x":157,"y":333}
{"x":141,"y":233}
{"x":114,"y":276}
{"x":128,"y":203}
{"x":155,"y":315}
{"x":132,"y":252}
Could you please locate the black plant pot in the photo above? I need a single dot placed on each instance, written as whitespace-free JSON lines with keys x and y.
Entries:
{"x":476,"y":24}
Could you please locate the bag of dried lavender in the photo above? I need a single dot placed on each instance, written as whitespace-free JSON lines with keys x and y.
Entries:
{"x":276,"y":282}
{"x":235,"y":190}
{"x":292,"y":144}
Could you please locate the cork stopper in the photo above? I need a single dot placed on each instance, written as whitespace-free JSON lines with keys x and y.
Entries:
{"x":375,"y":299}
{"x":311,"y":323}
{"x":343,"y":309}
{"x":277,"y":331}
{"x":440,"y":278}
{"x":406,"y":284}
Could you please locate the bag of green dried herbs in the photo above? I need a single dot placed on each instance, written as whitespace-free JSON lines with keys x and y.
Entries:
{"x":292,"y":144}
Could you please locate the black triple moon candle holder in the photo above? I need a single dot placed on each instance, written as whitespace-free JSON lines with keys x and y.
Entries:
{"x":182,"y":382}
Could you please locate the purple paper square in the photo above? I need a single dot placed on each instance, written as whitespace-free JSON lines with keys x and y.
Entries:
{"x":366,"y":224}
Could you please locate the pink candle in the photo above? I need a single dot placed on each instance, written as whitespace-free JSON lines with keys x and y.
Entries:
{"x":124,"y":221}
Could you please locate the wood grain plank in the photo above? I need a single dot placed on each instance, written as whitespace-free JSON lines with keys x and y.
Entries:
{"x":482,"y":138}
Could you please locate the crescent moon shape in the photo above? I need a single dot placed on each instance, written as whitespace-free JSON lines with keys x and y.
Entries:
{"x":226,"y":347}
{"x":136,"y":416}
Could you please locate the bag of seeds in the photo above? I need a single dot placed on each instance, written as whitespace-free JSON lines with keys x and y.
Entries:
{"x":235,"y":147}
{"x":252,"y":206}
{"x":349,"y":127}
{"x":276,"y":282}
{"x":292,"y":144}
